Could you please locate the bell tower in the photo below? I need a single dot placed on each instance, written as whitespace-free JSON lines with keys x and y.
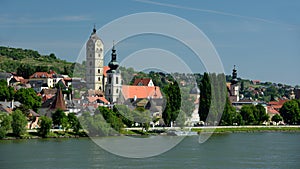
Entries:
{"x":94,"y":62}
{"x":114,"y":82}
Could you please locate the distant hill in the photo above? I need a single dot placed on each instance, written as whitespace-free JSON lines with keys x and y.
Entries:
{"x":26,"y":61}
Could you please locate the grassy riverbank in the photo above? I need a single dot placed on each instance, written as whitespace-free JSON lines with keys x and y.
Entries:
{"x":216,"y":129}
{"x":229,"y":129}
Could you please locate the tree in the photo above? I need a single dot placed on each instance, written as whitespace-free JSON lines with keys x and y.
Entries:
{"x":247,"y":114}
{"x":25,"y":70}
{"x":60,"y":119}
{"x":6,"y":92}
{"x":5,"y":124}
{"x":173,"y":103}
{"x":126,"y":115}
{"x":111,"y":118}
{"x":19,"y":123}
{"x":229,"y":115}
{"x":180,"y":121}
{"x":74,"y":123}
{"x":260,"y":114}
{"x":45,"y":126}
{"x":95,"y":125}
{"x":29,"y":98}
{"x":142,"y":116}
{"x":276,"y":118}
{"x":205,"y":97}
{"x":290,"y":112}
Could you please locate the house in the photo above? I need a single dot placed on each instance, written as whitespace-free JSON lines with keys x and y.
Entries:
{"x":8,"y":106}
{"x":141,"y":92}
{"x":277,"y":104}
{"x":51,"y":78}
{"x":6,"y":76}
{"x":255,"y":82}
{"x":16,"y":80}
{"x":143,"y":82}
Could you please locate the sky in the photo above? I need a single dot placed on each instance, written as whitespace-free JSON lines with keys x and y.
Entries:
{"x":262,"y":38}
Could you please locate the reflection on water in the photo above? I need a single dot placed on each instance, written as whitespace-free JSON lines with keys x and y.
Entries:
{"x":234,"y":151}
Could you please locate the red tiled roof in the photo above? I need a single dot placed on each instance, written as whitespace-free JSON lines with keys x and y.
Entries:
{"x":43,"y":74}
{"x":94,"y":99}
{"x":141,"y":82}
{"x":141,"y":92}
{"x":105,"y":68}
{"x":271,"y":110}
{"x":59,"y":101}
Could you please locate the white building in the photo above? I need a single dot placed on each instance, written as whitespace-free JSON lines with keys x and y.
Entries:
{"x":114,"y":81}
{"x":94,"y":62}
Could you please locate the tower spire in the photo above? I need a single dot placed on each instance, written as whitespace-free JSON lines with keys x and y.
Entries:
{"x":234,"y":76}
{"x":94,"y":30}
{"x":113,"y":64}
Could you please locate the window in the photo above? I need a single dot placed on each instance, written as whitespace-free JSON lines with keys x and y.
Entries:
{"x":98,"y":78}
{"x":108,"y":91}
{"x":117,"y":80}
{"x":91,"y":63}
{"x":117,"y":91}
{"x":109,"y":80}
{"x":98,"y":70}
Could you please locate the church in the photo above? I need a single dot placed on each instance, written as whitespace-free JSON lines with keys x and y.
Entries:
{"x":104,"y":79}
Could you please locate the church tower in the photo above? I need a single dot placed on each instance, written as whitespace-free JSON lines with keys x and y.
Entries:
{"x":94,"y":62}
{"x":114,"y":82}
{"x":234,"y":87}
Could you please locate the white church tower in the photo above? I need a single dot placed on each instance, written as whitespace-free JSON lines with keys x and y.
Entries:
{"x":114,"y":82}
{"x":94,"y":62}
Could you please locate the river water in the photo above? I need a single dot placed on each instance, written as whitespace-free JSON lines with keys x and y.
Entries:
{"x":233,"y":151}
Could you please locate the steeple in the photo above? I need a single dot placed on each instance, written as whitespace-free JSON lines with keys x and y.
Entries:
{"x":94,"y":30}
{"x":234,"y":76}
{"x":59,"y":101}
{"x":113,"y":64}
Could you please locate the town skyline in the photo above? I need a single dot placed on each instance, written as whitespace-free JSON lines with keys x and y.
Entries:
{"x":255,"y":39}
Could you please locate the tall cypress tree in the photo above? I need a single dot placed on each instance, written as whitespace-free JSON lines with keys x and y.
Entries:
{"x":173,"y":103}
{"x":205,"y":97}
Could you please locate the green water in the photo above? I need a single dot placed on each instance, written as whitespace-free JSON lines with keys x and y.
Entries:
{"x":232,"y":151}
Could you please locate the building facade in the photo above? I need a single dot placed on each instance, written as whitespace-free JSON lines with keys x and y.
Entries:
{"x":94,"y":62}
{"x":114,"y":81}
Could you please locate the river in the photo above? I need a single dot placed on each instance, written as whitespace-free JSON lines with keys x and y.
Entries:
{"x":269,"y":150}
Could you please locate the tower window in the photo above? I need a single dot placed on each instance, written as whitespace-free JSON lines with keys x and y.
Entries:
{"x":117,"y":91}
{"x":98,"y":70}
{"x":108,"y":91}
{"x":98,"y":78}
{"x":117,"y":80}
{"x":91,"y":63}
{"x":109,"y":80}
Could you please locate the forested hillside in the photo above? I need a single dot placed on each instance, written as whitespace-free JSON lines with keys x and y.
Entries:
{"x":29,"y":61}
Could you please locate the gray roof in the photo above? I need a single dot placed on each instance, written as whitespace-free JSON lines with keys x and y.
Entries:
{"x":195,"y":90}
{"x":4,"y":75}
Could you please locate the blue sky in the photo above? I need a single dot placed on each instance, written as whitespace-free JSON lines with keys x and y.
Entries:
{"x":261,"y":37}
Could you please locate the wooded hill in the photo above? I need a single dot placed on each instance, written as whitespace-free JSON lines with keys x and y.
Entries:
{"x":19,"y":60}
